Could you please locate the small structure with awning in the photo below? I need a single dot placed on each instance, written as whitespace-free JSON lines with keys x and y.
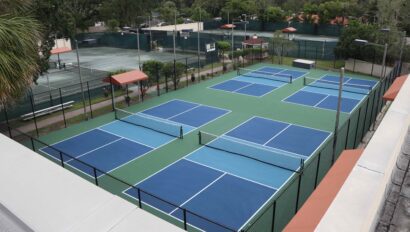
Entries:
{"x":127,"y":78}
{"x":228,"y":26}
{"x":58,"y":51}
{"x":290,"y":32}
{"x":256,"y":43}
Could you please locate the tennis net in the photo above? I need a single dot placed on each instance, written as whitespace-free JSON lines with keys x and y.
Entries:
{"x":265,"y":75}
{"x":156,"y":124}
{"x":258,"y":153}
{"x":328,"y":84}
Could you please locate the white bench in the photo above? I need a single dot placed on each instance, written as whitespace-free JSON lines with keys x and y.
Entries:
{"x":306,"y":64}
{"x":47,"y":111}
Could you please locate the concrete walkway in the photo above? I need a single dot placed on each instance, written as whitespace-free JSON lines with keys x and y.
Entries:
{"x":42,"y":123}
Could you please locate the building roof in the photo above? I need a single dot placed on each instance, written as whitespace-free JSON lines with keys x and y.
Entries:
{"x":254,"y":41}
{"x":127,"y":77}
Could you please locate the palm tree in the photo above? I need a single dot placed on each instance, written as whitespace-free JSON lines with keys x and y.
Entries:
{"x":19,"y":49}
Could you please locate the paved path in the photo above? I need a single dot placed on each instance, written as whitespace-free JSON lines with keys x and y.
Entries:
{"x":42,"y":123}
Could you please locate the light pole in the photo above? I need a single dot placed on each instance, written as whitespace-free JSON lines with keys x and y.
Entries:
{"x":150,"y":31}
{"x":175,"y":31}
{"x":199,"y":44}
{"x":138,"y":49}
{"x":233,"y":61}
{"x":81,"y":79}
{"x":403,"y":43}
{"x":246,"y":22}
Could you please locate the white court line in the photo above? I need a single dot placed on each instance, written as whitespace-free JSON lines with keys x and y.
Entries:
{"x":183,"y":112}
{"x":231,"y":174}
{"x":321,"y":101}
{"x":200,"y":191}
{"x":100,"y":128}
{"x":266,"y":202}
{"x":308,"y":157}
{"x":168,"y":214}
{"x":125,"y":138}
{"x":276,"y":135}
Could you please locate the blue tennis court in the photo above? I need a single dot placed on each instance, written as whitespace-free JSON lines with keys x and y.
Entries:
{"x":259,"y":82}
{"x":323,"y":93}
{"x":231,"y":177}
{"x":132,"y":135}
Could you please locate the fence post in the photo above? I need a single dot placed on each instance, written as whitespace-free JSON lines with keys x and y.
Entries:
{"x":7,"y":121}
{"x":157,"y":78}
{"x":61,"y":159}
{"x":273,"y":216}
{"x":185,"y":222}
{"x":357,"y":128}
{"x":186,"y":71}
{"x":175,"y":75}
{"x":365,"y":117}
{"x":32,"y":143}
{"x":347,"y":133}
{"x":95,"y":176}
{"x":139,"y":198}
{"x":62,"y":107}
{"x":89,"y":100}
{"x":317,"y":168}
{"x":298,"y":193}
{"x":34,"y":112}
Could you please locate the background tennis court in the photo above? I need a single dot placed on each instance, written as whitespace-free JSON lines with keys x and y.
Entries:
{"x":176,"y":178}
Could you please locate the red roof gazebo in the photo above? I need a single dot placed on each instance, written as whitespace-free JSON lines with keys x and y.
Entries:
{"x":131,"y":77}
{"x":228,"y":26}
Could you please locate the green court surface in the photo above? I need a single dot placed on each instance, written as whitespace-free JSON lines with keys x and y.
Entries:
{"x":287,"y":198}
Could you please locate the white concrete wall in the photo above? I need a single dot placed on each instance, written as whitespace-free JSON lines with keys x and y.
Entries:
{"x":358,"y":203}
{"x":62,"y":43}
{"x":180,"y":27}
{"x":364,"y":67}
{"x":48,"y":198}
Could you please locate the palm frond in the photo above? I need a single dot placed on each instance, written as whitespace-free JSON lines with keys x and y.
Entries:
{"x":19,"y":39}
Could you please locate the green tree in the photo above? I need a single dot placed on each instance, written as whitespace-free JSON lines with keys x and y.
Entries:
{"x":274,"y":14}
{"x":113,"y":25}
{"x":168,"y":71}
{"x":213,"y":7}
{"x":356,"y":30}
{"x":235,"y":8}
{"x":19,"y":50}
{"x":152,"y":68}
{"x":168,"y":10}
{"x":198,"y":14}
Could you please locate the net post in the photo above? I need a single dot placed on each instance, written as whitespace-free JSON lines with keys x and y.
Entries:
{"x":95,"y":176}
{"x":185,"y":222}
{"x":302,"y":165}
{"x":139,"y":197}
{"x":304,"y":81}
{"x":200,"y":137}
{"x":291,"y":79}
